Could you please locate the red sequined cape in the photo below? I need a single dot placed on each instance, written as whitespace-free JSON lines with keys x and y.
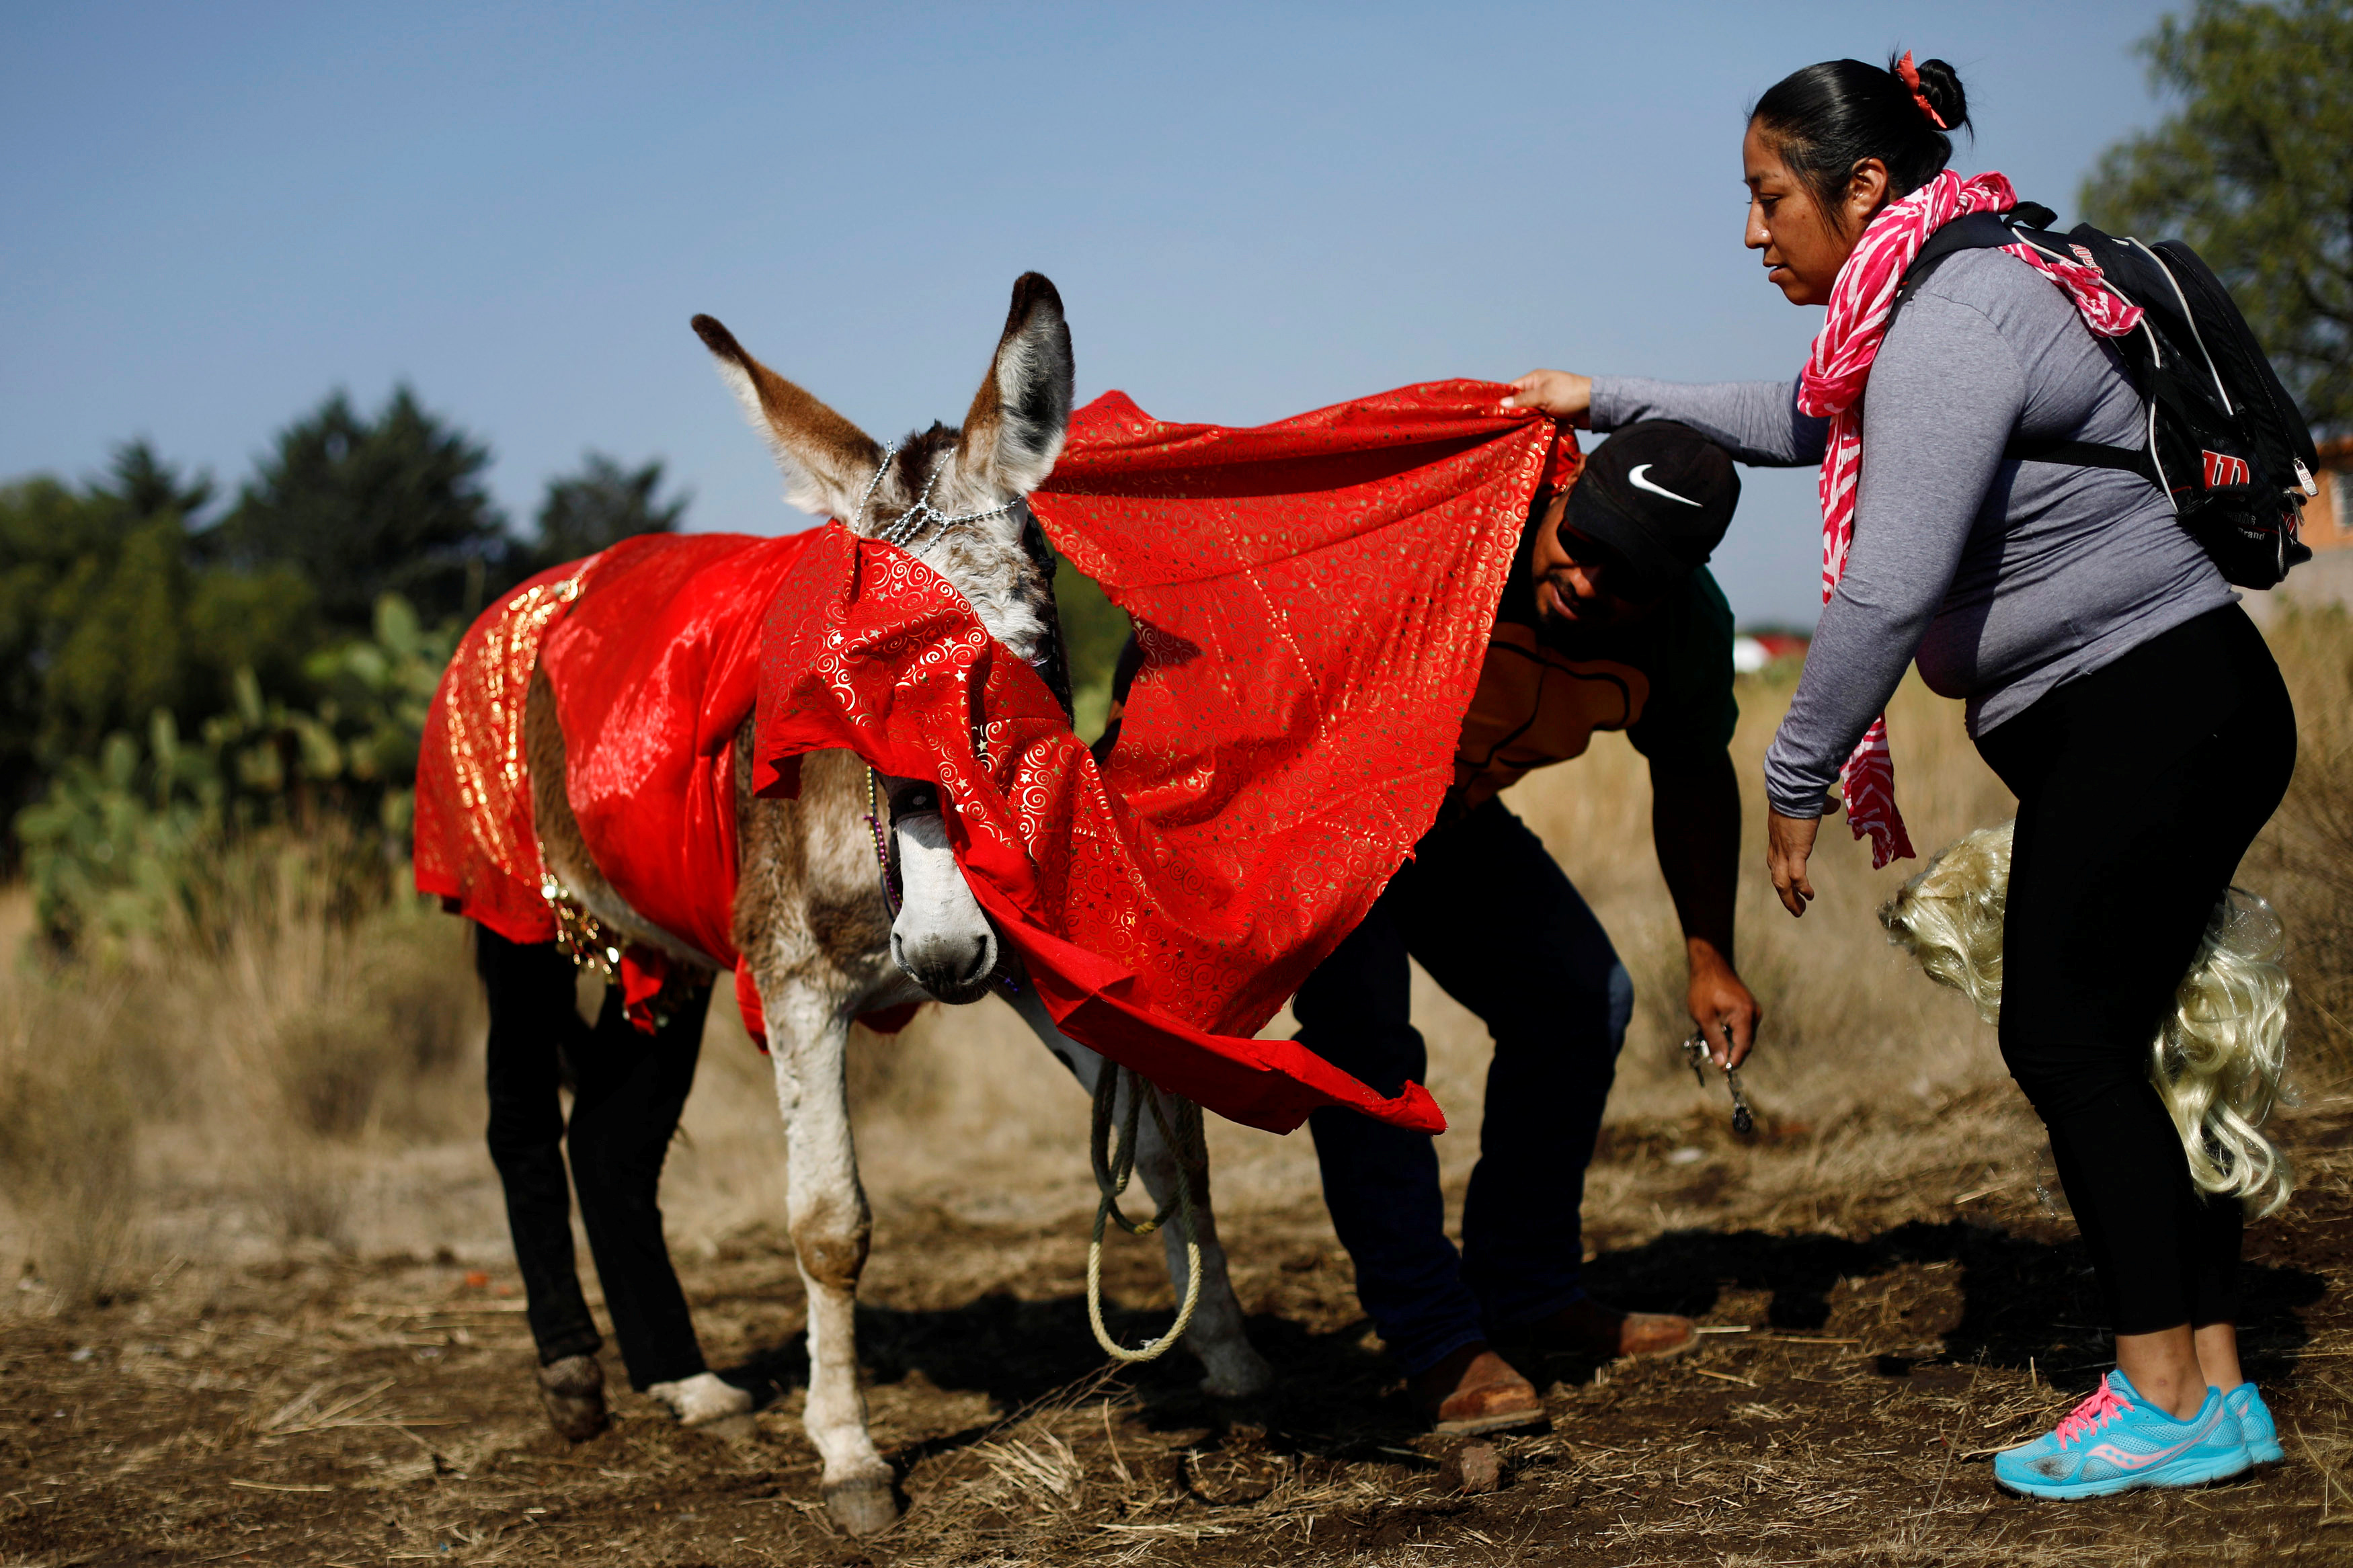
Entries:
{"x":1313,"y":598}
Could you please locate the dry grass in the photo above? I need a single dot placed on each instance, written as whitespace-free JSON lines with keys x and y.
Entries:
{"x":68,"y":1126}
{"x":218,"y":1103}
{"x":2305,"y":862}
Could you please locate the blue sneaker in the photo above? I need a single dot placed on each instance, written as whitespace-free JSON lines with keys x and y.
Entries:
{"x":2255,"y":1425}
{"x":2115,"y":1441}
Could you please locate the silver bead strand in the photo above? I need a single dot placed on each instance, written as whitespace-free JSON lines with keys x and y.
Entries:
{"x":873,"y":484}
{"x":916,"y":518}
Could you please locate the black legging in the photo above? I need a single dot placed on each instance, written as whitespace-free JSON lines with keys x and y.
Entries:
{"x":628,"y":1088}
{"x":2139,"y":786}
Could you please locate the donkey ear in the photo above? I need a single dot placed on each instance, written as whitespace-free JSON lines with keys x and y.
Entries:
{"x":1018,"y":420}
{"x":827,"y":460}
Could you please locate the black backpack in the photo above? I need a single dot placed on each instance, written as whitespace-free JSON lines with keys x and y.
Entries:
{"x":2225,"y":442}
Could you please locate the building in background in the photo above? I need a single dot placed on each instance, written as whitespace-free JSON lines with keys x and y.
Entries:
{"x":2328,"y":516}
{"x":2327,"y":577}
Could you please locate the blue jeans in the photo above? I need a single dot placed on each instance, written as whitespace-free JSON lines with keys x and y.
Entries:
{"x":1487,"y":912}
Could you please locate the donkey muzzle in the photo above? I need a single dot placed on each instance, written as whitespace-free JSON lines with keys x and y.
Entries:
{"x":942,"y":939}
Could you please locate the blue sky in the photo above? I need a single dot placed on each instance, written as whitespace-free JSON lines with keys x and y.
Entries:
{"x":216,"y":215}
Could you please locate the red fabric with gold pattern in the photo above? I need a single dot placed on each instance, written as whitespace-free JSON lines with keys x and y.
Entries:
{"x":650,"y":649}
{"x":1313,"y":598}
{"x":654,"y":672}
{"x":475,"y":849}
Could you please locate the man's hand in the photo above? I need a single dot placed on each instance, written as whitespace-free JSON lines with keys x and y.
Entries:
{"x":1725,"y":1012}
{"x":1696,"y":826}
{"x":1788,"y":842}
{"x":1559,"y":392}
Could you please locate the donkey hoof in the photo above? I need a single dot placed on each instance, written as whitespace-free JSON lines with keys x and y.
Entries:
{"x":862,"y":1507}
{"x":573,"y":1390}
{"x":1243,"y":1376}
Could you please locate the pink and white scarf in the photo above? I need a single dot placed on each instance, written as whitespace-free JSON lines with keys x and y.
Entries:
{"x":1836,"y":373}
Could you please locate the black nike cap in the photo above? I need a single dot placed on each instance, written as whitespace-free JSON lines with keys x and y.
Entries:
{"x":1660,"y":495}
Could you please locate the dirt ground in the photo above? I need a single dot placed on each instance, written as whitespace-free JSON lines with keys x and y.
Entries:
{"x":349,"y":1411}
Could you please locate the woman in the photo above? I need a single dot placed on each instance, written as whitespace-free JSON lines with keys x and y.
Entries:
{"x":2112,"y":681}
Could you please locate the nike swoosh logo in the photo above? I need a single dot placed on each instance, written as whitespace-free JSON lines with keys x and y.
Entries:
{"x":1634,"y":478}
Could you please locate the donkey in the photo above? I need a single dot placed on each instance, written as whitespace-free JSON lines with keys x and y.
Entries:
{"x":810,"y":915}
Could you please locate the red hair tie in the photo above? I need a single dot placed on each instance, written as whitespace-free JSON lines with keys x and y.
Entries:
{"x":1910,"y":76}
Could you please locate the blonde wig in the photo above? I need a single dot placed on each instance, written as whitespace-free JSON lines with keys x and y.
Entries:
{"x":2218,"y":1058}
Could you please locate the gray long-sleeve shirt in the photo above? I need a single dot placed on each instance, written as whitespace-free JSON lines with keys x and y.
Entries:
{"x":2004,"y":579}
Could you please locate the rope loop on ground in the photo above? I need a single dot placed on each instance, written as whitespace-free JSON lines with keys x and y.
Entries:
{"x":1114,"y":1165}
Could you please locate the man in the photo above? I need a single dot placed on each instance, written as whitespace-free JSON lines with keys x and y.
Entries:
{"x":1609,"y":622}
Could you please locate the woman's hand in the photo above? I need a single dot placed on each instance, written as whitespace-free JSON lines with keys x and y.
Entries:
{"x":1559,"y":392}
{"x":1788,"y":841}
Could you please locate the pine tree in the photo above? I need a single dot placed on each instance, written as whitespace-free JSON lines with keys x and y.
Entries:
{"x":602,"y":504}
{"x":361,"y":508}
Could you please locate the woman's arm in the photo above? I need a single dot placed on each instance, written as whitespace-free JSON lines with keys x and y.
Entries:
{"x":1945,"y":395}
{"x":1757,"y":421}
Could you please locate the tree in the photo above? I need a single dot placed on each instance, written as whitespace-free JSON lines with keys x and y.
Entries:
{"x":145,"y":486}
{"x":363,"y":508}
{"x":43,"y":527}
{"x":602,"y":504}
{"x":2254,"y":169}
{"x":138,"y":842}
{"x":105,"y":620}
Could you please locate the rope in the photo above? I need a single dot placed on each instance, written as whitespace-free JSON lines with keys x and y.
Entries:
{"x":1112,"y":1169}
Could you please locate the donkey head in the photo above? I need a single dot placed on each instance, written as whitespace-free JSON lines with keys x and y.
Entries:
{"x":956,"y":497}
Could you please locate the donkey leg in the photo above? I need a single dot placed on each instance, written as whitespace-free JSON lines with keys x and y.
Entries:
{"x":830,"y":1228}
{"x":1216,"y":1335}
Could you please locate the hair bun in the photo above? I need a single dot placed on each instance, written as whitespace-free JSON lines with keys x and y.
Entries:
{"x":1828,"y":118}
{"x":1940,"y":84}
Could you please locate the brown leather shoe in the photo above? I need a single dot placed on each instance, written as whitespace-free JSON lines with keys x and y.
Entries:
{"x":1587,"y":1327}
{"x":1475,"y":1390}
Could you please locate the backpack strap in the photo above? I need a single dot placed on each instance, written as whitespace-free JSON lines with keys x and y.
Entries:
{"x":1974,"y":231}
{"x":2082,"y":455}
